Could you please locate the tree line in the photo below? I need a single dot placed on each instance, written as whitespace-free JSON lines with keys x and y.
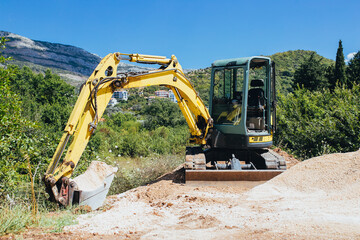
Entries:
{"x":314,"y":75}
{"x":322,"y":113}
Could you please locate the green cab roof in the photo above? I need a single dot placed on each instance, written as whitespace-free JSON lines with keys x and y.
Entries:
{"x":236,"y":61}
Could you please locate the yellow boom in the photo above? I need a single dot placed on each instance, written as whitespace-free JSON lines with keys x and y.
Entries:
{"x":95,"y":96}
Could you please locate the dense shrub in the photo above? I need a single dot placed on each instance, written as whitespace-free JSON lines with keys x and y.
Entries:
{"x":319,"y":122}
{"x":162,"y":112}
{"x":33,"y":111}
{"x":133,"y":140}
{"x":21,"y":140}
{"x":46,"y":99}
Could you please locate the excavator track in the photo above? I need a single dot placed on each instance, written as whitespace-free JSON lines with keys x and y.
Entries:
{"x":273,"y":160}
{"x":195,"y":159}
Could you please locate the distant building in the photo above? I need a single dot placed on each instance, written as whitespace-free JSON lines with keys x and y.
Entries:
{"x":121,"y":95}
{"x":166,"y":94}
{"x":162,"y":93}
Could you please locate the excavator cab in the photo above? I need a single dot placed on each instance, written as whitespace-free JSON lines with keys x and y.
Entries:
{"x":241,"y":103}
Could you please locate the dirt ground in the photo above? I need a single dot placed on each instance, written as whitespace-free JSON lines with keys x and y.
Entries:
{"x":315,"y":199}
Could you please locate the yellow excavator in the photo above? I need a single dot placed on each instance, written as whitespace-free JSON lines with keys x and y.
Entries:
{"x":233,"y":135}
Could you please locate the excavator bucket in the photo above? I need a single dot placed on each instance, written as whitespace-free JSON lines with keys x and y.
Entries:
{"x":91,"y":187}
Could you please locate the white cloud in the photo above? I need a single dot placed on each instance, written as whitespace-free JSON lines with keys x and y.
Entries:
{"x":350,"y":56}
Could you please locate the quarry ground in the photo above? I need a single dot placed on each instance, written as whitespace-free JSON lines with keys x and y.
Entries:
{"x":315,"y":199}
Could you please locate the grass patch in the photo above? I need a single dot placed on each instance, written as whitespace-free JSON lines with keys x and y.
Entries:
{"x":14,"y":219}
{"x":56,"y":221}
{"x":134,"y":172}
{"x":18,"y":218}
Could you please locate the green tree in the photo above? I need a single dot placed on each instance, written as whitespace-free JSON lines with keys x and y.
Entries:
{"x":46,"y":98}
{"x":135,"y":102}
{"x":118,"y":119}
{"x":339,"y":71}
{"x":353,"y":69}
{"x":162,"y":112}
{"x":329,"y":74}
{"x":288,"y":62}
{"x":20,"y":138}
{"x":311,"y":74}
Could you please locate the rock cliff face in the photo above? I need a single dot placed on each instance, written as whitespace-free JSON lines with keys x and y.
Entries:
{"x":55,"y":55}
{"x":52,"y":55}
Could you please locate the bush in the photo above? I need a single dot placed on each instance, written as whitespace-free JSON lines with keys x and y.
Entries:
{"x":21,"y":139}
{"x":33,"y":111}
{"x":46,"y":99}
{"x":319,"y":122}
{"x":162,"y":112}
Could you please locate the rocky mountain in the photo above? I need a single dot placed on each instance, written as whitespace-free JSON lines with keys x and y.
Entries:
{"x":53,"y":55}
{"x":72,"y":63}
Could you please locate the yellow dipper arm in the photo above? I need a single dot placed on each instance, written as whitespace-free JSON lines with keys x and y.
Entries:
{"x":97,"y":92}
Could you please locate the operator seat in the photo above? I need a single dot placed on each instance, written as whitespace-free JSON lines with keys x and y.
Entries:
{"x":256,"y":98}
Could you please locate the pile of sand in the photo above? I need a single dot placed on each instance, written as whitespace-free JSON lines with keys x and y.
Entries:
{"x":334,"y":175}
{"x":318,"y":198}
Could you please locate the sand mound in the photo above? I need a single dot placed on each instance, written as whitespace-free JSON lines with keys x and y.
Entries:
{"x":158,"y":191}
{"x":329,"y":172}
{"x":333,"y":175}
{"x":316,"y":199}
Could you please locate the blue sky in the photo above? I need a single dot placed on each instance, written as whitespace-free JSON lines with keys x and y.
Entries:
{"x":197,"y":32}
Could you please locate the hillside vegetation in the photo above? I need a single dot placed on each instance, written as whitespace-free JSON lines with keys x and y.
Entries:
{"x":288,"y":62}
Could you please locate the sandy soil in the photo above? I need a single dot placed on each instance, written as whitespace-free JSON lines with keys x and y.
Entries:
{"x":318,"y":198}
{"x":315,"y":199}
